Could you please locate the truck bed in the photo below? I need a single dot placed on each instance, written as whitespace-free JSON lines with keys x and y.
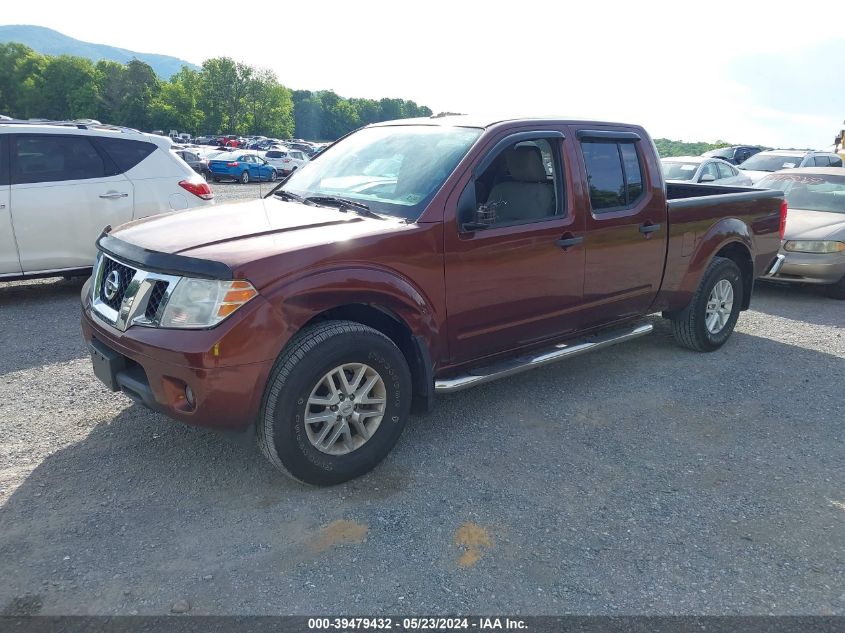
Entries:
{"x":682,"y":195}
{"x":700,"y":216}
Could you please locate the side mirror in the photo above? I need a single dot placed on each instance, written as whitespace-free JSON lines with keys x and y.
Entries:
{"x":484,"y":217}
{"x":707,"y":178}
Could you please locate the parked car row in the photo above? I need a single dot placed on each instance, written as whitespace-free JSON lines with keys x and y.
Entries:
{"x":716,"y":168}
{"x":282,"y":159}
{"x":261,"y":143}
{"x":764,"y":163}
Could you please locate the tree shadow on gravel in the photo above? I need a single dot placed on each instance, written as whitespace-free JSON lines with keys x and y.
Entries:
{"x":799,"y":303}
{"x":39,"y":323}
{"x":634,"y":482}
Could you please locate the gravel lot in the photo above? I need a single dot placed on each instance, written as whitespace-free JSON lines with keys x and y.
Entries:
{"x":228,"y":192}
{"x":640,"y":479}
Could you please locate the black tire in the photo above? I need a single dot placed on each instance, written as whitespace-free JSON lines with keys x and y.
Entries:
{"x":310,"y":355}
{"x":689,"y":325}
{"x":837,"y":290}
{"x":216,"y":180}
{"x":244,"y":178}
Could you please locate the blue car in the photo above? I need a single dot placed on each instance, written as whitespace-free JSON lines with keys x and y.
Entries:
{"x":241,"y":167}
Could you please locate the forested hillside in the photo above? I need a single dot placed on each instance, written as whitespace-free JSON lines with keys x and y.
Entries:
{"x":223,"y":96}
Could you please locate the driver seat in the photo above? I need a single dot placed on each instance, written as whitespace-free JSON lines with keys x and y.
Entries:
{"x":529,"y":195}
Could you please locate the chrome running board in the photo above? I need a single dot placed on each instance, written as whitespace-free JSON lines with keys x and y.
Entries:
{"x":547,"y":356}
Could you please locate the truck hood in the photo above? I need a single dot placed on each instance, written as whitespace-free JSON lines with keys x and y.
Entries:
{"x":814,"y":225}
{"x":204,"y":228}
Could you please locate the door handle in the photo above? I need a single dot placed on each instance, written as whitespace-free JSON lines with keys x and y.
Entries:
{"x":113,"y":195}
{"x":648,"y":227}
{"x":2,"y":206}
{"x":572,"y":240}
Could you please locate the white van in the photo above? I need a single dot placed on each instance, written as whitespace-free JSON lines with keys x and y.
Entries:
{"x":61,"y":184}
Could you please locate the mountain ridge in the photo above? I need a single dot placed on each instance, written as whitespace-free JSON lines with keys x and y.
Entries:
{"x":48,"y":41}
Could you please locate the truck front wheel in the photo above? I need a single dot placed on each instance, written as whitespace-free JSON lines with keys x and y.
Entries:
{"x":335,"y":404}
{"x":709,"y":319}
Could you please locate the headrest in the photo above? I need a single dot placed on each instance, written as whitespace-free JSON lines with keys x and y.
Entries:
{"x":526,"y":164}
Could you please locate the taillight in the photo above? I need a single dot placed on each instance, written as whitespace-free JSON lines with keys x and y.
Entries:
{"x":232,"y":164}
{"x":286,"y":160}
{"x":783,"y":210}
{"x":199,"y":189}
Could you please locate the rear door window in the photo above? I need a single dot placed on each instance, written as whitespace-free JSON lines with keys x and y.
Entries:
{"x":614,"y":174}
{"x":53,"y":158}
{"x":835,"y":161}
{"x":725,"y":171}
{"x":126,"y":153}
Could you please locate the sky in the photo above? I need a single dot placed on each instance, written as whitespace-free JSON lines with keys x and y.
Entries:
{"x":745,"y":71}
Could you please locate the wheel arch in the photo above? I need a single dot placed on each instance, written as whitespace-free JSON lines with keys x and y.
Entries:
{"x":729,"y":238}
{"x":413,"y":347}
{"x":740,"y":254}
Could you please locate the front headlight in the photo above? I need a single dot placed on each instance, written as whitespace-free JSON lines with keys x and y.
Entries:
{"x":202,"y":303}
{"x":813,"y":246}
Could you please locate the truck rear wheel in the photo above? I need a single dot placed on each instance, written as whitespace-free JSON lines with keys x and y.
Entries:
{"x":709,"y":319}
{"x":335,"y":404}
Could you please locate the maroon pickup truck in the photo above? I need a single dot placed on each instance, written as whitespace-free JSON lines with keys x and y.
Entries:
{"x":411,"y":258}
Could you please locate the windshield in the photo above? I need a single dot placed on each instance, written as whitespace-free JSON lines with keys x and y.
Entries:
{"x":771,"y":162}
{"x":725,"y":152}
{"x":673,"y":170}
{"x":395,"y":170}
{"x":813,"y":192}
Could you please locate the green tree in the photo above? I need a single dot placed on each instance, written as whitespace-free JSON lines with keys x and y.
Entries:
{"x":392,"y":109}
{"x":111,"y":83}
{"x":307,"y":114}
{"x":141,"y":86}
{"x":69,"y":89}
{"x":225,"y":96}
{"x":225,"y":83}
{"x":667,"y":147}
{"x":21,"y":80}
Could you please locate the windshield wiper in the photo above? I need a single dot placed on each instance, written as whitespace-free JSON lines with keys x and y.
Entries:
{"x":343,"y":204}
{"x":287,"y":195}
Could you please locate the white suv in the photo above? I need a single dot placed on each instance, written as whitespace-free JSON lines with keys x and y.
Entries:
{"x":61,"y":184}
{"x":284,"y":159}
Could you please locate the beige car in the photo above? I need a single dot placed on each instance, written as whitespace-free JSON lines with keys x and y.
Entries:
{"x":813,"y":245}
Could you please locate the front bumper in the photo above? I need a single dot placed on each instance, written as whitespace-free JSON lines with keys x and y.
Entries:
{"x":810,"y":268}
{"x":155,"y":366}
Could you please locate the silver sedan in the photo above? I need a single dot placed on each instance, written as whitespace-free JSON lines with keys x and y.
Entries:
{"x":704,"y":170}
{"x":813,"y":246}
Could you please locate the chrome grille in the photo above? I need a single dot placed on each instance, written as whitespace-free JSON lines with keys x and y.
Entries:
{"x":123,"y":295}
{"x":121,"y":275}
{"x":157,"y":295}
